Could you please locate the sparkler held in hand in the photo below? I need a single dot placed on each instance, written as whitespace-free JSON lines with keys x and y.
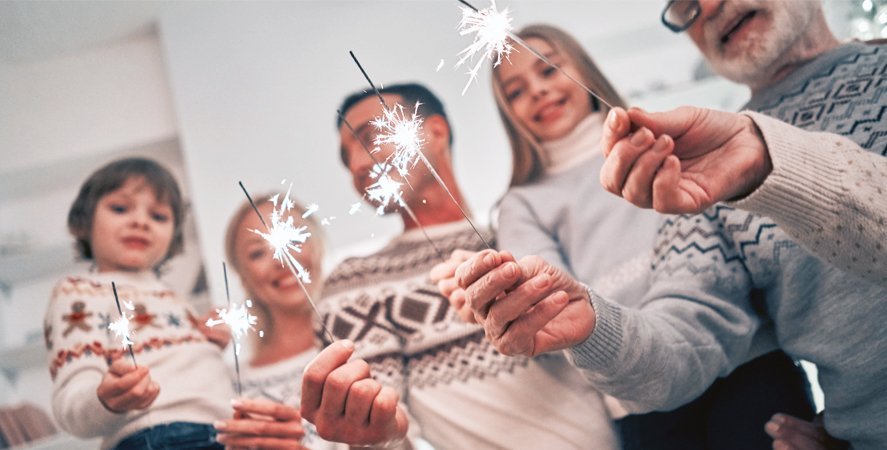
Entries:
{"x":493,"y":31}
{"x":121,"y":326}
{"x":405,"y":134}
{"x":239,"y":320}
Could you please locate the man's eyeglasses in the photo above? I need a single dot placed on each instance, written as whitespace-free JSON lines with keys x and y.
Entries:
{"x":678,"y":15}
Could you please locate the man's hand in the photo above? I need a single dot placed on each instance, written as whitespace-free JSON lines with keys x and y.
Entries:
{"x":791,"y":433}
{"x":261,"y":424}
{"x":527,"y":307}
{"x":682,"y":161}
{"x":126,"y":387}
{"x":345,"y":404}
{"x":444,"y":275}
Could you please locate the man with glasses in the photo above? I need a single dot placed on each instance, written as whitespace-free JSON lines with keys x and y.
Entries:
{"x":728,"y":283}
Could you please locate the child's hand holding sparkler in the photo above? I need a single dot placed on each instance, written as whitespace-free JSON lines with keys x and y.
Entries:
{"x":262,"y":424}
{"x":126,"y":388}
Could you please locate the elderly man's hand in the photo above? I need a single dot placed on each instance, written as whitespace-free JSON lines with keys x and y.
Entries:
{"x":682,"y":161}
{"x":347,"y":405}
{"x":527,"y":307}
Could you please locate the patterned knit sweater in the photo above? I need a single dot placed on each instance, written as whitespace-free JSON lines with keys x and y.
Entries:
{"x":458,"y":389}
{"x":729,"y":285}
{"x":193,"y":378}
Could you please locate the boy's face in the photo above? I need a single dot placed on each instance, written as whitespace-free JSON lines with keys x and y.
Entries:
{"x":131,"y":229}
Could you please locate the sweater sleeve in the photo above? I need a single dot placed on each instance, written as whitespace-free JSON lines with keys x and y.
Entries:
{"x":694,"y":325}
{"x":826,"y":192}
{"x":77,"y":342}
{"x":523,"y":234}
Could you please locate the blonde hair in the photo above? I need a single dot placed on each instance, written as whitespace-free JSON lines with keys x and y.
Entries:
{"x":262,"y":312}
{"x":525,"y":148}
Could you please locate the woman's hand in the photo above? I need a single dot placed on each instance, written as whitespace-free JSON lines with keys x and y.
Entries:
{"x":261,"y":424}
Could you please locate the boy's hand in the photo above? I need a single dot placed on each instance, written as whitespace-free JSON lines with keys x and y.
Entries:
{"x":218,"y":334}
{"x":262,"y":424}
{"x":126,"y":388}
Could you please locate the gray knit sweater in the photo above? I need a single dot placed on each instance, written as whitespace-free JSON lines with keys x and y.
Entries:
{"x":729,"y":285}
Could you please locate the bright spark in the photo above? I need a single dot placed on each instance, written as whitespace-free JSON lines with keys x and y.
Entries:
{"x":439,"y":65}
{"x":238,"y":319}
{"x":492,"y":29}
{"x":327,"y":220}
{"x":355,"y":208}
{"x":284,"y":236}
{"x":311,"y":209}
{"x":121,"y":326}
{"x":385,"y":190}
{"x":404,"y":133}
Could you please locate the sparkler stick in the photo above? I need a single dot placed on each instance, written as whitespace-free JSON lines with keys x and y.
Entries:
{"x":121,"y":326}
{"x":234,"y":347}
{"x":395,"y":123}
{"x":492,"y":40}
{"x":406,"y":207}
{"x":282,"y":250}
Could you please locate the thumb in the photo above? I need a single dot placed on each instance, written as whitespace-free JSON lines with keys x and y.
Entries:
{"x":673,"y":123}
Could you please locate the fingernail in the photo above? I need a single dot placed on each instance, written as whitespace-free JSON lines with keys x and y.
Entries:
{"x":772,"y":428}
{"x":778,"y":418}
{"x":510,"y":271}
{"x":540,"y":282}
{"x":611,"y":118}
{"x":219,"y":425}
{"x":640,"y":137}
{"x":236,"y":402}
{"x":662,"y":143}
{"x":221,"y":438}
{"x":347,"y":344}
{"x":489,"y":259}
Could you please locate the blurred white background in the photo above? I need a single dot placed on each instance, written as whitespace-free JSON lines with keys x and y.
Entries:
{"x":228,"y":91}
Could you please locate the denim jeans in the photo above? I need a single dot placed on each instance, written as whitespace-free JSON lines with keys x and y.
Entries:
{"x":172,"y":436}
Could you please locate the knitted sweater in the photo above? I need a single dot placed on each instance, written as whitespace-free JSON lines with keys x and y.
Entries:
{"x":729,"y":285}
{"x":282,"y":382}
{"x":193,"y":379}
{"x":457,"y":388}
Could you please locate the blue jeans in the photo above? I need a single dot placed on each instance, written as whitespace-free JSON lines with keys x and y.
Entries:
{"x":173,"y":436}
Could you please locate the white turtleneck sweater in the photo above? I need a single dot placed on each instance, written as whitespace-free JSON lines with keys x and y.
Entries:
{"x":194,"y":382}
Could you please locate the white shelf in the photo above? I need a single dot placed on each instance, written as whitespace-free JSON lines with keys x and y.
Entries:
{"x":38,"y":263}
{"x":15,"y":359}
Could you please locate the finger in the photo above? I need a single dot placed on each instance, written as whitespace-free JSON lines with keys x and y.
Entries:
{"x":384,"y":409}
{"x":254,"y":442}
{"x":638,"y":187}
{"x":623,"y":157}
{"x":123,"y":366}
{"x":267,"y":408}
{"x":148,"y":399}
{"x":516,"y":303}
{"x":477,"y":266}
{"x":480,"y":295}
{"x":520,"y":338}
{"x":673,"y":123}
{"x":442,"y":271}
{"x":127,"y":382}
{"x":258,"y":427}
{"x":338,"y":385}
{"x":668,"y":197}
{"x":447,"y":286}
{"x":360,"y":401}
{"x":616,"y":126}
{"x":316,"y":373}
{"x":794,"y":425}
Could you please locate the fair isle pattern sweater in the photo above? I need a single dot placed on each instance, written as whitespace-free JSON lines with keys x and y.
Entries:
{"x":193,"y":378}
{"x":729,"y":285}
{"x":459,"y":391}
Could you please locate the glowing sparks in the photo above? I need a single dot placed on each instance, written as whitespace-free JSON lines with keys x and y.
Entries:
{"x":284,"y":236}
{"x":492,"y":29}
{"x":311,"y":209}
{"x":327,"y":220}
{"x":238,"y":319}
{"x":355,"y":208}
{"x":385,"y":190}
{"x":121,"y":327}
{"x":404,"y":132}
{"x":439,"y":65}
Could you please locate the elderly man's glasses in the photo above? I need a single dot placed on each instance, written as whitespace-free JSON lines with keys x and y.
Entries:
{"x":678,"y":15}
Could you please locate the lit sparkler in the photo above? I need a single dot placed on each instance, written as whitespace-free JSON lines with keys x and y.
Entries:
{"x":121,"y":326}
{"x":284,"y":238}
{"x":406,"y":136}
{"x":494,"y":31}
{"x":239,"y":321}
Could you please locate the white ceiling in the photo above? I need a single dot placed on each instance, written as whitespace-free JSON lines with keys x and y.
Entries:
{"x":33,"y":30}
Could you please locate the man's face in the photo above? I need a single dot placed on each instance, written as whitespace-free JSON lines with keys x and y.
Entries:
{"x":747,"y":40}
{"x":360,"y":164}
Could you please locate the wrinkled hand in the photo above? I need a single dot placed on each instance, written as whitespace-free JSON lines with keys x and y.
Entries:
{"x":261,"y":424}
{"x":444,"y":275}
{"x":791,"y":433}
{"x":125,"y":387}
{"x":527,"y":307}
{"x":345,"y":404}
{"x":218,"y":334}
{"x":684,"y":160}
